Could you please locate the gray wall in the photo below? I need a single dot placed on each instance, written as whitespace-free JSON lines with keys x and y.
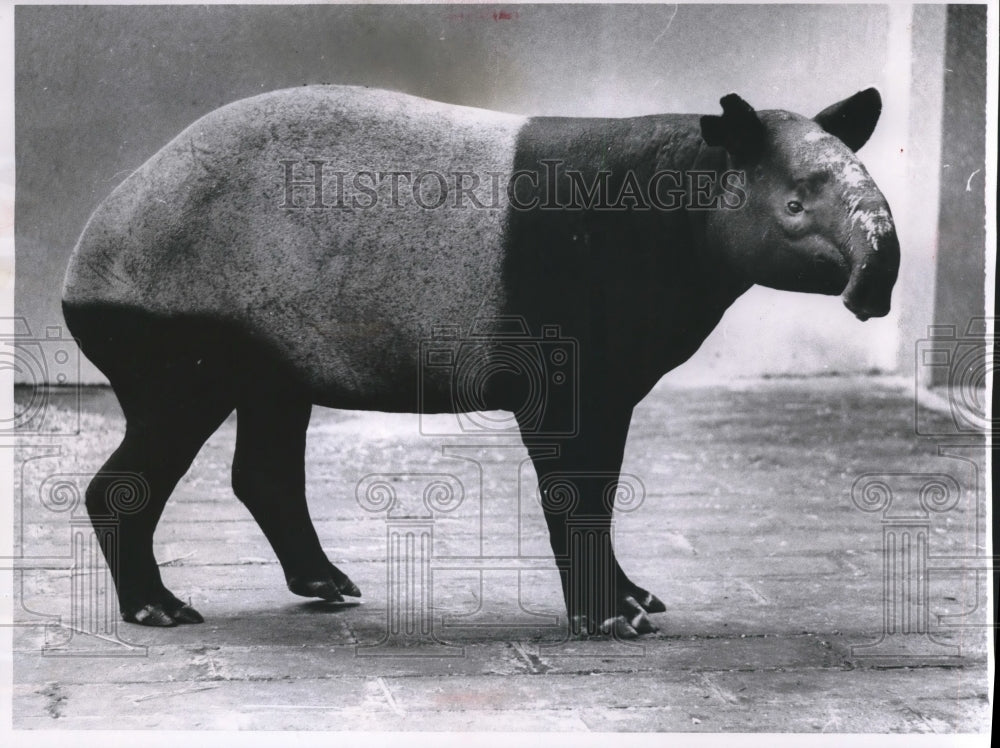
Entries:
{"x":960,"y":289}
{"x":99,"y":89}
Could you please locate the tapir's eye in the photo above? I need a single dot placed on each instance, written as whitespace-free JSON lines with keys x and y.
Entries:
{"x":794,"y":206}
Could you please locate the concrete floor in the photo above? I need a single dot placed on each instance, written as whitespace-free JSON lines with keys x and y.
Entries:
{"x":774,"y":579}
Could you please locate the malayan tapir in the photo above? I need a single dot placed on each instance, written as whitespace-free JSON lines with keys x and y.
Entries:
{"x":301,"y":247}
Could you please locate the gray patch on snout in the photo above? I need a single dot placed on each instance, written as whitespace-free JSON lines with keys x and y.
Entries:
{"x":875,"y":223}
{"x":817,"y":135}
{"x":858,"y":188}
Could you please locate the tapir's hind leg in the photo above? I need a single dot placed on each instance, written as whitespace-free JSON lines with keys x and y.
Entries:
{"x":174,"y":380}
{"x":269,"y":478}
{"x":167,"y":422}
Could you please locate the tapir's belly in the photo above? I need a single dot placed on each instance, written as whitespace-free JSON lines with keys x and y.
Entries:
{"x":347,"y":283}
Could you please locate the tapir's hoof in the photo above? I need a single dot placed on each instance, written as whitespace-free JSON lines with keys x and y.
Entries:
{"x":636,"y":614}
{"x":167,"y":612}
{"x":332,"y":587}
{"x":149,"y":615}
{"x":343,"y":582}
{"x":650,"y":602}
{"x":324,"y":589}
{"x":582,"y":627}
{"x":163,"y":615}
{"x":631,"y":620}
{"x":349,"y":588}
{"x":185,"y":614}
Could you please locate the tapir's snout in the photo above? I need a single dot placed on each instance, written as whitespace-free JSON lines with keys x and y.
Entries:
{"x":874,"y":253}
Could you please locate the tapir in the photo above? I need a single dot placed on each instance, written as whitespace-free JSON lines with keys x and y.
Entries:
{"x":309,"y":246}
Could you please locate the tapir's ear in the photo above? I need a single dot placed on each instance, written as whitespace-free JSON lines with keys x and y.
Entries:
{"x":852,"y":120}
{"x":739,"y":129}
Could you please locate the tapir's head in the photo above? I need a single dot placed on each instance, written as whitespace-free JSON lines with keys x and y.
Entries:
{"x":813,"y":219}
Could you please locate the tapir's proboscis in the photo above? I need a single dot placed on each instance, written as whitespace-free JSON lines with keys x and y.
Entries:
{"x":303,"y":247}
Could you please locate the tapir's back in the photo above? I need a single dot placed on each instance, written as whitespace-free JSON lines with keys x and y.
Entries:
{"x":226,"y":223}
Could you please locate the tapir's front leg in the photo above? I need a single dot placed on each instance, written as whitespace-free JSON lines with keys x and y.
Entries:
{"x":577,"y":487}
